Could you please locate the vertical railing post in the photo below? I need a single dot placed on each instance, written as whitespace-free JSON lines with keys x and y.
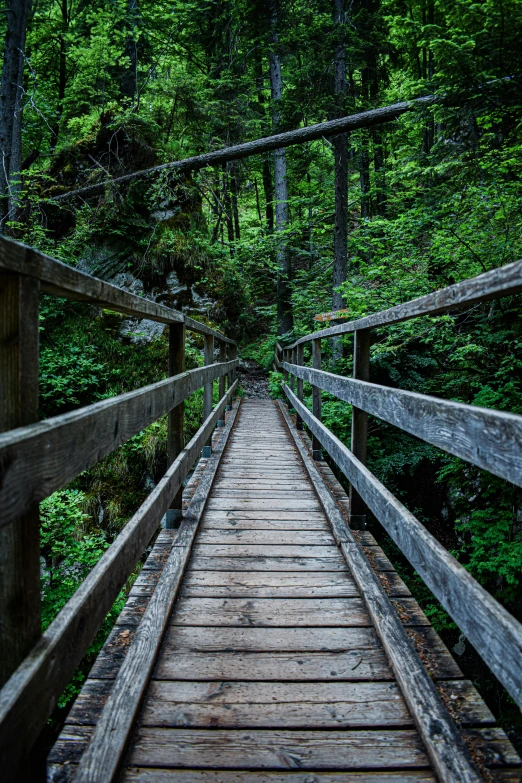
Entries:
{"x":222,"y":380}
{"x":20,"y":611}
{"x":207,"y":390}
{"x":361,"y":371}
{"x":293,"y":356}
{"x":316,"y":397}
{"x":299,"y":361}
{"x":176,"y":418}
{"x":284,"y":358}
{"x":232,"y":354}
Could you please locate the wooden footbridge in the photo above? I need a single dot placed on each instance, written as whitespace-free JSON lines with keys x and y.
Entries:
{"x":267,"y":637}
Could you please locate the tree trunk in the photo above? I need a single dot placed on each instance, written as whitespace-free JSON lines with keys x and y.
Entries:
{"x":269,"y":195}
{"x":11,"y":105}
{"x":340,"y":144}
{"x":284,"y":307}
{"x":62,"y":73}
{"x":129,"y":79}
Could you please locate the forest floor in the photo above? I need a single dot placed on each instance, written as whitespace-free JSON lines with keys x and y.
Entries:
{"x":253,"y":379}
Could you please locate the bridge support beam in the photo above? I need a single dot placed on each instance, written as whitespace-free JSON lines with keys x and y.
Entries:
{"x":316,"y":398}
{"x":207,"y":391}
{"x":359,"y":442}
{"x":299,"y":361}
{"x":176,"y":434}
{"x":20,"y":614}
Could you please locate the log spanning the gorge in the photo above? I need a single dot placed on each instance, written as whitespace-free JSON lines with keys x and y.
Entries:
{"x":364,"y":119}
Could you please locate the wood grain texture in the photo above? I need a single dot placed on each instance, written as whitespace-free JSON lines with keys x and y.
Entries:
{"x":254,"y":584}
{"x":504,"y":281}
{"x":277,"y":749}
{"x":30,"y":695}
{"x":38,"y":459}
{"x":494,"y":633}
{"x":444,"y":744}
{"x":266,"y":563}
{"x":63,"y":280}
{"x":106,"y":746}
{"x":487,"y":438}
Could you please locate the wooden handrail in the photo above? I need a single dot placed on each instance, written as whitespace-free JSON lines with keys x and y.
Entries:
{"x":38,"y":459}
{"x":61,"y":279}
{"x":494,"y":633}
{"x":29,"y":696}
{"x":505,"y":281}
{"x":490,"y":439}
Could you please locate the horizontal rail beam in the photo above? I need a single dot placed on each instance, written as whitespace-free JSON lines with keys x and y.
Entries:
{"x":38,"y":459}
{"x":490,"y":439}
{"x":493,"y":632}
{"x":29,"y":696}
{"x":505,"y":281}
{"x":61,"y":279}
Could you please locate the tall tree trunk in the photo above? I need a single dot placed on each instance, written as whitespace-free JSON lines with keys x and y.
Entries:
{"x":340,"y":145}
{"x":267,"y":174}
{"x":11,"y":105}
{"x":62,"y":72}
{"x":284,"y":306}
{"x":129,"y":79}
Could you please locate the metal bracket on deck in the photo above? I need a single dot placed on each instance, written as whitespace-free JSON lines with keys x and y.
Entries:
{"x":206,"y":452}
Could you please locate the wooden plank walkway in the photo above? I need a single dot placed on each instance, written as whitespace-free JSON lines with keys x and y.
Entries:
{"x":270,"y":670}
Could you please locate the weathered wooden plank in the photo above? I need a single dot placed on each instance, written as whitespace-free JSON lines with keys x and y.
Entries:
{"x":488,"y":438}
{"x":263,"y":584}
{"x":264,"y":494}
{"x":276,"y":483}
{"x":106,"y":746}
{"x":353,"y":665}
{"x":289,"y":516}
{"x":266,"y":563}
{"x":494,"y":633}
{"x":374,"y":703}
{"x":277,"y":749}
{"x":265,"y":550}
{"x":274,"y":705}
{"x":233,"y":523}
{"x":504,"y":281}
{"x":293,"y":612}
{"x":444,"y":744}
{"x":241,"y":536}
{"x":285,"y":504}
{"x":63,"y":280}
{"x":149,"y":775}
{"x":30,"y":695}
{"x":95,"y":431}
{"x":252,"y":612}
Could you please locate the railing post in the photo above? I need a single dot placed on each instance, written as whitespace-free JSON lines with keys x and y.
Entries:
{"x":361,"y":371}
{"x":316,"y":397}
{"x":299,"y":361}
{"x":222,"y":380}
{"x":232,"y":354}
{"x":293,"y":356}
{"x":176,"y":433}
{"x":20,"y":612}
{"x":207,"y":390}
{"x":284,"y":358}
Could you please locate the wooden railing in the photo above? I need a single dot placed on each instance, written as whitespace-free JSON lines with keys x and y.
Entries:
{"x":490,"y":439}
{"x":39,"y":457}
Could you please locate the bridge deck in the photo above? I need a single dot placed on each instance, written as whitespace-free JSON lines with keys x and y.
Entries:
{"x":270,"y":669}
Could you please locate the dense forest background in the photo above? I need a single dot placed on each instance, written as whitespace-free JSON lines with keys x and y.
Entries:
{"x":258,"y":247}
